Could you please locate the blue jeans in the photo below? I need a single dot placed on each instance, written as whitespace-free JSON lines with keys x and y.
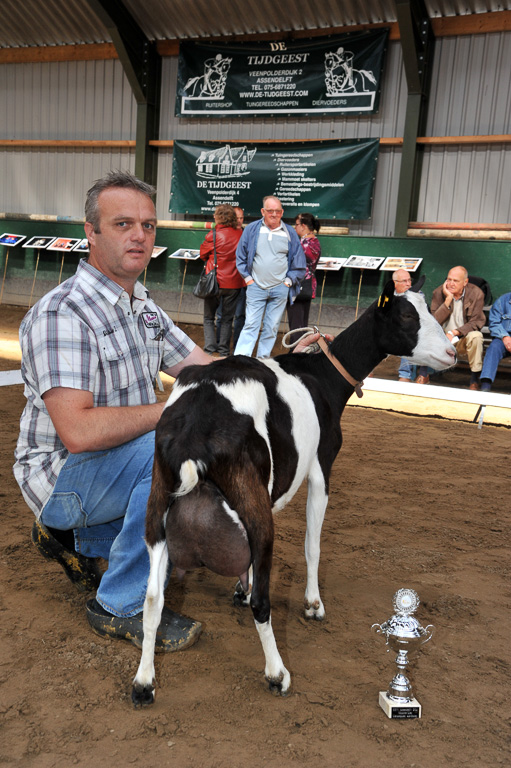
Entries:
{"x":493,"y":355}
{"x":407,"y":370}
{"x":103,"y":496}
{"x":267,"y":302}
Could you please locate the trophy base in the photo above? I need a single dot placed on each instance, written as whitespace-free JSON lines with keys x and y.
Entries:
{"x":395,"y":710}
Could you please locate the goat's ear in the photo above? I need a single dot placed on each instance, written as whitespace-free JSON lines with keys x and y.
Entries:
{"x":418,"y":285}
{"x":385,"y":299}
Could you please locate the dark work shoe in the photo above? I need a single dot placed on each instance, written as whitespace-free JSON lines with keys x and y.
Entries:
{"x":82,"y":571}
{"x":175,"y":632}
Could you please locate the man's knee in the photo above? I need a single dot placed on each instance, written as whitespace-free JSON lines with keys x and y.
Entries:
{"x":474,"y":341}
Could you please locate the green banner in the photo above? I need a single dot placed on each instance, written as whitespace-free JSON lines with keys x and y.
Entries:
{"x":325,"y":75}
{"x":332,"y":179}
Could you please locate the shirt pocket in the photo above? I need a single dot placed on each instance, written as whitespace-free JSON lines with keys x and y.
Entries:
{"x":115,"y":358}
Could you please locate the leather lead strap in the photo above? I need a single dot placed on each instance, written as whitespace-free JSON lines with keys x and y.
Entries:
{"x":342,"y":370}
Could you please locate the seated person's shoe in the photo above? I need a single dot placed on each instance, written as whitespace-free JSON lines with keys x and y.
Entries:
{"x":174,"y":633}
{"x":401,"y":378}
{"x":82,"y":571}
{"x":422,"y":380}
{"x":474,"y":386}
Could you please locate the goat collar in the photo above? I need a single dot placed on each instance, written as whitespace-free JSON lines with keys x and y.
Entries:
{"x":342,"y":370}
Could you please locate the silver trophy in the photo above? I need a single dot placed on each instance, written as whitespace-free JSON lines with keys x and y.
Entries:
{"x":404,"y":635}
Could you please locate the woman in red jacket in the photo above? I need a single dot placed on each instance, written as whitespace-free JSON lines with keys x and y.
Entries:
{"x":226,"y":237}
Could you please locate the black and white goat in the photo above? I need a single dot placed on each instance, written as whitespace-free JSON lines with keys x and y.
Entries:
{"x":235,"y":442}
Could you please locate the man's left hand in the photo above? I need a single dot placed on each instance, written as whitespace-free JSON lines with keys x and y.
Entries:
{"x":310,"y":339}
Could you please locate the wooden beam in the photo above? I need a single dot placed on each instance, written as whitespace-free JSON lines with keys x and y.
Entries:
{"x":457,"y":140}
{"x":392,"y":141}
{"x":388,"y":141}
{"x":472,"y":24}
{"x":464,"y":225}
{"x":460,"y":234}
{"x":167,"y":47}
{"x":385,"y":141}
{"x":64,"y":143}
{"x":447,"y":26}
{"x":54,"y":53}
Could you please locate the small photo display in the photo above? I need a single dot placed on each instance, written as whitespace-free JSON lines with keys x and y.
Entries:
{"x":392,"y":263}
{"x":158,"y":250}
{"x":331,"y":264}
{"x":64,"y":243}
{"x":185,"y":253}
{"x":82,"y":246}
{"x":9,"y":239}
{"x":38,"y":242}
{"x":364,"y":262}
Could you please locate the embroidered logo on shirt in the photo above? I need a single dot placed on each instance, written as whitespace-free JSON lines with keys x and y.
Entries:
{"x":151,"y":319}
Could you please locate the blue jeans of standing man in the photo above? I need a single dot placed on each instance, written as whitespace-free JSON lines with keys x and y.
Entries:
{"x":102,"y":495}
{"x":266,"y":305}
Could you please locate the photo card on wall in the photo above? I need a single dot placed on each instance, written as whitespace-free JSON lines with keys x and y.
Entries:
{"x":392,"y":263}
{"x":64,"y":244}
{"x":363,"y":262}
{"x":9,"y":239}
{"x":39,"y":242}
{"x":185,"y":253}
{"x":331,"y":264}
{"x":82,"y":245}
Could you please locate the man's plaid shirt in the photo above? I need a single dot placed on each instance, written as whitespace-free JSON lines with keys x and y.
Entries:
{"x":86,"y":334}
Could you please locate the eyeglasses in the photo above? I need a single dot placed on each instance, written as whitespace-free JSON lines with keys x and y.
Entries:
{"x":273,"y":212}
{"x":403,"y":281}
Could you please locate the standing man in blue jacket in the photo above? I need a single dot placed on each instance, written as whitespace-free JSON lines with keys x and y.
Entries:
{"x":271,"y":259}
{"x":500,"y":329}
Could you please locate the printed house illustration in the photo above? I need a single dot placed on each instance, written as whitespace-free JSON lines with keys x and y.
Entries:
{"x":225,"y":161}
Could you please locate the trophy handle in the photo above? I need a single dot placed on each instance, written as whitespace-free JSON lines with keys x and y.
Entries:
{"x":380,"y":629}
{"x":429,"y":631}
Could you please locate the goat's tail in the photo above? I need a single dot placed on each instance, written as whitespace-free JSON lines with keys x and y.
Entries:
{"x":189,"y":475}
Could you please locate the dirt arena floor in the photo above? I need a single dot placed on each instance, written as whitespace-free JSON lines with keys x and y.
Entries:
{"x":415,"y":502}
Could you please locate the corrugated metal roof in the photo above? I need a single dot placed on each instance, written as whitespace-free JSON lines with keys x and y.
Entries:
{"x":61,"y":22}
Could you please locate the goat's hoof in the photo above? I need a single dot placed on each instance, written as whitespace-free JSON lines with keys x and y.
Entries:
{"x":280,"y":686}
{"x":313,"y":616}
{"x":314,"y":610}
{"x":142,"y":695}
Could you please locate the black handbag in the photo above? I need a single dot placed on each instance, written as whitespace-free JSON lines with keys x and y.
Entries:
{"x":207,"y":287}
{"x":305,"y":293}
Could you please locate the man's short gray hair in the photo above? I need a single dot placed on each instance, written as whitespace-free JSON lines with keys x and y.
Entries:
{"x":120,"y":179}
{"x":271,"y":197}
